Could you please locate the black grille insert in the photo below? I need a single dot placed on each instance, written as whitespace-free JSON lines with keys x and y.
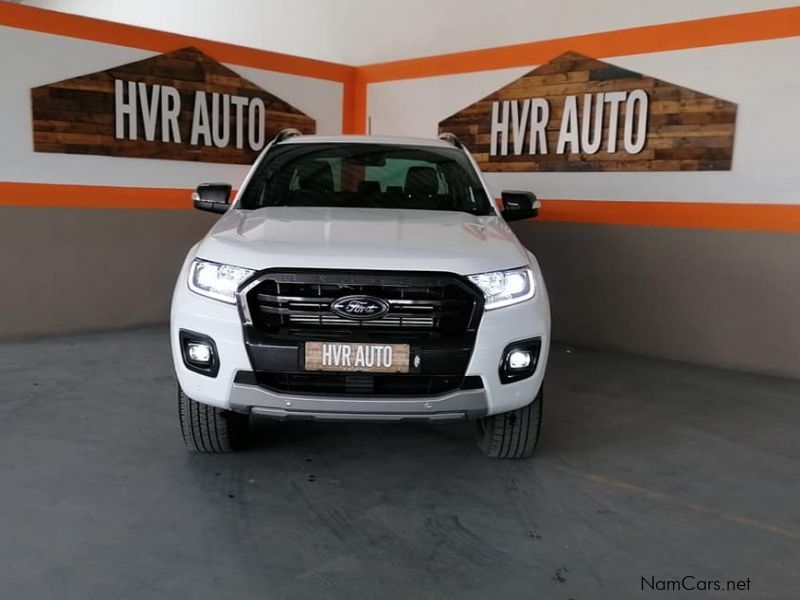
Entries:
{"x":423,"y":306}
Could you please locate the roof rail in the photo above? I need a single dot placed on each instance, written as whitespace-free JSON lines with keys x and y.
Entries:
{"x":451,"y":139}
{"x":285,"y":134}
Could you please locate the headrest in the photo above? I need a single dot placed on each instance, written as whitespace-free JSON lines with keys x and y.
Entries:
{"x":421,"y":181}
{"x":369,"y":187}
{"x":315,"y":175}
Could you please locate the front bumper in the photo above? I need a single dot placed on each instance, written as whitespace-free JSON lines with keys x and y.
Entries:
{"x":222,"y":322}
{"x":248,"y":397}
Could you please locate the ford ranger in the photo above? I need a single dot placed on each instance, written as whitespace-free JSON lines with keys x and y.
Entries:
{"x":361,"y":278}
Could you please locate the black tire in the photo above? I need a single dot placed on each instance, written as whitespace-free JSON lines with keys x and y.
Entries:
{"x":209,"y":429}
{"x":513,"y":434}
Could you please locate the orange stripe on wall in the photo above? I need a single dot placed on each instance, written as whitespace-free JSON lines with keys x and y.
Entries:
{"x":354,"y":106}
{"x":354,"y":117}
{"x":699,"y":33}
{"x":694,"y":215}
{"x":93,"y":196}
{"x":347,"y":106}
{"x":728,"y":29}
{"x":85,"y":28}
{"x":359,"y":115}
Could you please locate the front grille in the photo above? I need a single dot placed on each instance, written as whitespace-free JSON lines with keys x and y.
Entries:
{"x":437,"y":314}
{"x":423,"y":306}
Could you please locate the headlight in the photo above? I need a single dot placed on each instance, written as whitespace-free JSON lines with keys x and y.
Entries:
{"x":502,"y":288}
{"x":215,"y":280}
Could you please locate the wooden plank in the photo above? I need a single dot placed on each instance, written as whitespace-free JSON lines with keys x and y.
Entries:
{"x":558,"y":91}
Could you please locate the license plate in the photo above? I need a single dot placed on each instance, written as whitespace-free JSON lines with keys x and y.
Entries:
{"x":357,"y":357}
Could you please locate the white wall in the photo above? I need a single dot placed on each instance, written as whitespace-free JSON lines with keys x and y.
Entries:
{"x":365,"y":31}
{"x":40,"y":59}
{"x":763,"y":78}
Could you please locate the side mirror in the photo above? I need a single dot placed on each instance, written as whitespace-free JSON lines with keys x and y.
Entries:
{"x":212,"y":197}
{"x":518,"y":205}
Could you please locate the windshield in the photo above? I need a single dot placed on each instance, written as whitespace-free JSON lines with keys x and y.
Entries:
{"x":364,"y":175}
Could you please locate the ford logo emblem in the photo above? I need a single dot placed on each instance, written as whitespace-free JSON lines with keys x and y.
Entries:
{"x":360,"y":307}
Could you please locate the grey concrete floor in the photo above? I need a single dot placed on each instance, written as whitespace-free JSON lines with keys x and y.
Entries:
{"x":646,"y":469}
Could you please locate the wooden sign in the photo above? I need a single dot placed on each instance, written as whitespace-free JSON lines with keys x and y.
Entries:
{"x":580,"y":114}
{"x":182,"y":105}
{"x":357,"y":357}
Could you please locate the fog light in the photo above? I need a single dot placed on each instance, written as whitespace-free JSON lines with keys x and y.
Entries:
{"x":519,"y":359}
{"x":199,"y":353}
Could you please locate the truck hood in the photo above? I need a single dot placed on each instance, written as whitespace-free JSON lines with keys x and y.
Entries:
{"x":362,"y":238}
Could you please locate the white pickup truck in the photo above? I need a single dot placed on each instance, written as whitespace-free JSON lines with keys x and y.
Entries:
{"x":361,"y":278}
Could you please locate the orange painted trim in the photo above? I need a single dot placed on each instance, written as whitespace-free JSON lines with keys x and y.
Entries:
{"x":693,"y":215}
{"x":354,"y":106}
{"x":347,"y":106}
{"x":359,"y":107}
{"x":93,"y":196}
{"x":783,"y":218}
{"x":96,"y":30}
{"x":699,"y":33}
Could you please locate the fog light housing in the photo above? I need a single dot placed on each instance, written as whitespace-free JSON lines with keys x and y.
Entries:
{"x":519,"y":360}
{"x":199,"y":353}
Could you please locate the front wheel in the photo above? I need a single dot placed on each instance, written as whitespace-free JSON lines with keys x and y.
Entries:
{"x":513,"y":434}
{"x":211,"y":430}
